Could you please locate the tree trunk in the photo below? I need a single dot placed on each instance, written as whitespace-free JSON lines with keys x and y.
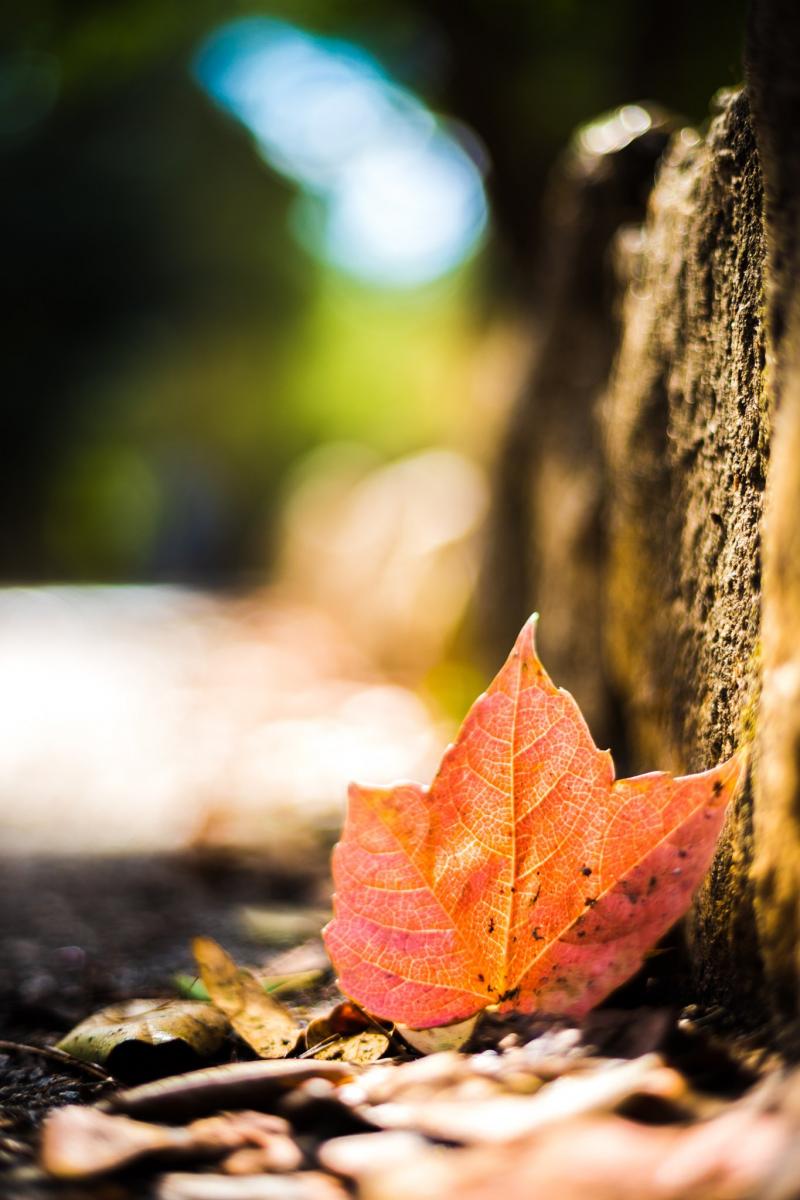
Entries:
{"x":690,"y":445}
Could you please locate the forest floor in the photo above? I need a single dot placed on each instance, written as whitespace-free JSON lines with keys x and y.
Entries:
{"x":637,"y":1101}
{"x":183,"y":729}
{"x":78,"y":933}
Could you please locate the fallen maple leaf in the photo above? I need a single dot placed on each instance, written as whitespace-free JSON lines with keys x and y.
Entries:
{"x":525,"y":876}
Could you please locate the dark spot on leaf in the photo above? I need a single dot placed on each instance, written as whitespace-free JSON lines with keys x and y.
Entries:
{"x":537,"y":937}
{"x":511,"y":994}
{"x":683,"y":853}
{"x":589,"y":901}
{"x":490,"y":926}
{"x":652,"y":883}
{"x":581,"y":933}
{"x":717,"y":787}
{"x":480,"y":979}
{"x":586,"y":870}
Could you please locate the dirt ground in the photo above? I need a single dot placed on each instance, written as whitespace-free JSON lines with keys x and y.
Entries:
{"x":78,"y":933}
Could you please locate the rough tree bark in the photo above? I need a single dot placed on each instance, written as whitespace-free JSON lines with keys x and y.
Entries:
{"x":686,"y":435}
{"x":547,"y":518}
{"x":695,"y":469}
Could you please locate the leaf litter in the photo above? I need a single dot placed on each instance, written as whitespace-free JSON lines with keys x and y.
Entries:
{"x":546,"y":1112}
{"x":508,"y":1099}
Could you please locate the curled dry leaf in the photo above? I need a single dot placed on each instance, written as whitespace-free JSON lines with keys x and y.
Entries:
{"x":79,"y":1143}
{"x":505,"y":1117}
{"x":359,"y":1048}
{"x":525,"y":876}
{"x":348,"y":1034}
{"x":151,"y":1022}
{"x":266,"y":1026}
{"x":472,"y":1100}
{"x":602,"y":1157}
{"x":344,"y":1019}
{"x":236,"y":1085}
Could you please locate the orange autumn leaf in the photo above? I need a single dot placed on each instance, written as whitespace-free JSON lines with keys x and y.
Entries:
{"x":525,"y":875}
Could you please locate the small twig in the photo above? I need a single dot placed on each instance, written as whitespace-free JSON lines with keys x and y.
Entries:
{"x":323,"y":1045}
{"x":59,"y":1056}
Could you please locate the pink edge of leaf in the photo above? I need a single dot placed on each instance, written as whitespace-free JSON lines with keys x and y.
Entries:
{"x":608,"y":945}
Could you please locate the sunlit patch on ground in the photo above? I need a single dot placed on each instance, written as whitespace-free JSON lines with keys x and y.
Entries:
{"x":136,"y":718}
{"x":151,"y":717}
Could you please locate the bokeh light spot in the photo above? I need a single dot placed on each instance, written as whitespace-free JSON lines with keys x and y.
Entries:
{"x":389,"y":194}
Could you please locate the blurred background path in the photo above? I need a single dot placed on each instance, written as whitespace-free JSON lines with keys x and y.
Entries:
{"x":270,"y":278}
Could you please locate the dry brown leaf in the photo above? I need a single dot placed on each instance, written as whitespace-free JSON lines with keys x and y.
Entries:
{"x":449,"y":1097}
{"x":200,"y":1026}
{"x":361,"y":1048}
{"x":266,"y":1026}
{"x":344,"y":1019}
{"x":78,"y":1142}
{"x":604,"y":1157}
{"x":81,"y":1142}
{"x":236,"y":1085}
{"x":349,"y":1034}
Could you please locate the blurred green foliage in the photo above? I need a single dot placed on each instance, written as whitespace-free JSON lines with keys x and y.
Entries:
{"x":170,"y":351}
